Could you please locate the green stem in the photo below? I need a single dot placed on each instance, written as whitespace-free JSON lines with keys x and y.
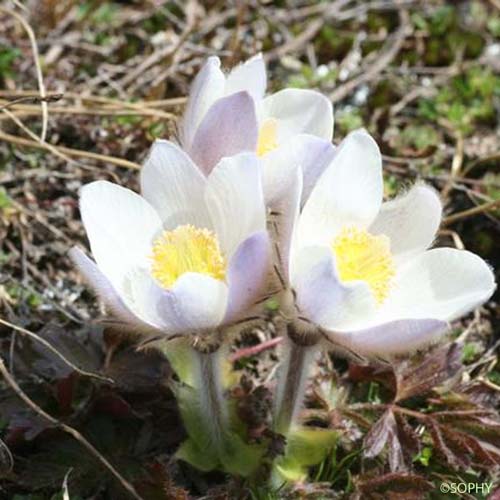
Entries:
{"x":213,"y":407}
{"x":297,"y":362}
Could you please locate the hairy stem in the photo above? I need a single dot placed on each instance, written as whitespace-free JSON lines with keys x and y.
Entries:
{"x":297,"y":362}
{"x":211,"y":395}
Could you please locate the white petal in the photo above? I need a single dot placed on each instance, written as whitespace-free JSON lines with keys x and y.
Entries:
{"x":174,"y":186}
{"x":120,"y":225}
{"x":109,"y":295}
{"x":396,"y":337}
{"x":207,"y":87}
{"x":410,"y":221}
{"x":321,"y":297}
{"x":348,"y":193}
{"x":235,"y":201}
{"x":299,"y":111}
{"x":249,"y":76}
{"x":443,"y":283}
{"x":194,"y":302}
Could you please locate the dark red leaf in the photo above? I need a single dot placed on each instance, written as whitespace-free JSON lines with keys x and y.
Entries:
{"x":419,"y":376}
{"x":384,"y":433}
{"x":396,"y":482}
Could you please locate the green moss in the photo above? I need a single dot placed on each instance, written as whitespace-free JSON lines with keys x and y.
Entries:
{"x":469,"y":352}
{"x":419,"y":137}
{"x":8,"y":55}
{"x":5,"y":201}
{"x":348,"y":119}
{"x":466,"y":101}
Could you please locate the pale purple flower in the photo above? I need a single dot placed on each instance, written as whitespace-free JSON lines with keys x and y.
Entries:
{"x":362,"y":269}
{"x":190,"y":254}
{"x":228,"y":114}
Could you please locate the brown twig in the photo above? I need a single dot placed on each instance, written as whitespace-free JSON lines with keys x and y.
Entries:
{"x":485,"y":207}
{"x":38,"y":68}
{"x":18,"y":100}
{"x":456,"y":166}
{"x":393,"y":46}
{"x":21,"y":141}
{"x":247,"y":352}
{"x":67,"y":429}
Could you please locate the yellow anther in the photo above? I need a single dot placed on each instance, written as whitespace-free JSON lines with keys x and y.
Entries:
{"x":363,"y":256}
{"x":186,"y":249}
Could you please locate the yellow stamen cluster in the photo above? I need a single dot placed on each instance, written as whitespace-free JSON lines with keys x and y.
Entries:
{"x":186,"y":249}
{"x":268,"y":137}
{"x":367,"y":257}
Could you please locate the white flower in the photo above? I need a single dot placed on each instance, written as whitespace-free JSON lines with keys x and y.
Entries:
{"x":191,"y":253}
{"x":361,"y":269}
{"x":229,"y":114}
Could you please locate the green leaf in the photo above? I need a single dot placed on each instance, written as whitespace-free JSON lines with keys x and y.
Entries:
{"x":309,"y":446}
{"x":306,"y":447}
{"x":180,"y":356}
{"x":230,"y":453}
{"x":238,"y":457}
{"x":203,"y":459}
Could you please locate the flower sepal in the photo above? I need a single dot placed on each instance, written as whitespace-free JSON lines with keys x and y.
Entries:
{"x":216,"y":435}
{"x":306,"y":447}
{"x":226,"y":452}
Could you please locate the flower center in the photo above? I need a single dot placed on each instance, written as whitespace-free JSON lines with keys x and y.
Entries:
{"x":363,"y":256}
{"x":267,"y":140}
{"x":186,"y":249}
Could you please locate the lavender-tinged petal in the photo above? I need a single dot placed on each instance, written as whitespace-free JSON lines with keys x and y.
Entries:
{"x":229,"y":127}
{"x":247,"y":273}
{"x":195,"y":302}
{"x":284,"y":203}
{"x":395,"y":337}
{"x":307,"y":152}
{"x":321,"y":296}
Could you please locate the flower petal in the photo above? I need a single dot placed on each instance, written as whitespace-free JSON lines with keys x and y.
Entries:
{"x":207,"y":87}
{"x":299,"y":111}
{"x":348,"y":193}
{"x":229,"y":127}
{"x":120,"y":226}
{"x":108,"y":294}
{"x":247,"y":273}
{"x":443,"y":283}
{"x":395,"y":337}
{"x":410,"y":221}
{"x":250,"y":76}
{"x":173,"y":184}
{"x":283,"y":221}
{"x":307,"y":152}
{"x":235,"y":201}
{"x":321,"y":297}
{"x":194,"y":302}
